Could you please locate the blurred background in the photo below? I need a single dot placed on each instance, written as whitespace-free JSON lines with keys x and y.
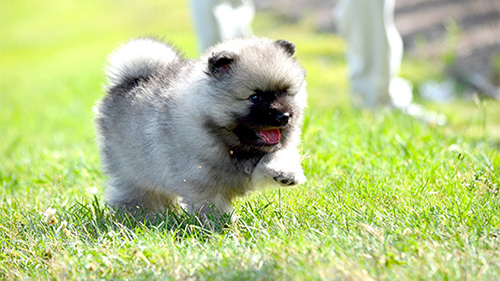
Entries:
{"x":52,"y":55}
{"x":463,"y":34}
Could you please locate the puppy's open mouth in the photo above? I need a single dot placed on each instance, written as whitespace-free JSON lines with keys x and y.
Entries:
{"x":269,"y":136}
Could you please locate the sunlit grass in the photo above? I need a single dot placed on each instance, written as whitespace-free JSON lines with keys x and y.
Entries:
{"x":388,"y":197}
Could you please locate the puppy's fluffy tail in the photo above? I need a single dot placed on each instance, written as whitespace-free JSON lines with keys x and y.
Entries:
{"x":137,"y":59}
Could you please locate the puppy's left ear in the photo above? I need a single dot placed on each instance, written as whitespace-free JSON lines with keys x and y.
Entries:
{"x":220,"y":63}
{"x":288,"y":46}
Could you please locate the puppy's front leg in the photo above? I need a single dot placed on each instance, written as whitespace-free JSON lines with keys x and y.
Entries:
{"x":281,"y":167}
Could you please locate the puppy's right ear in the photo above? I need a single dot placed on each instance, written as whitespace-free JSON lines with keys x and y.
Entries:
{"x":220,"y":63}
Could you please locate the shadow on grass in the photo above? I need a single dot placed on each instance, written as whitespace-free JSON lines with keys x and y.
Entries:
{"x":93,"y":221}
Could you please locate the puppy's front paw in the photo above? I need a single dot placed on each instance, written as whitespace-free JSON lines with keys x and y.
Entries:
{"x":284,"y":180}
{"x":287,"y":179}
{"x":281,"y":167}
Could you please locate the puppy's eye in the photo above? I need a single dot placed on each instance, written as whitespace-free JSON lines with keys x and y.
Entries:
{"x":256,"y":98}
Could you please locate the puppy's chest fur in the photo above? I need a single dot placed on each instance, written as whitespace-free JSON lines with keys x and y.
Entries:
{"x":229,"y":170}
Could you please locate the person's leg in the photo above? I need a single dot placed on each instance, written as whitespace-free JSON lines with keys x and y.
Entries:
{"x":400,"y":90}
{"x":361,"y":23}
{"x":205,"y":23}
{"x":234,"y":18}
{"x":374,"y":52}
{"x":217,"y":20}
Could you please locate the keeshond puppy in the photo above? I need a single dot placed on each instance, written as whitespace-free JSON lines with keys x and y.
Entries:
{"x":200,"y":132}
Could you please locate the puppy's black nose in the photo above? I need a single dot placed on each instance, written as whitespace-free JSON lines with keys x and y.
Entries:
{"x":282,"y":118}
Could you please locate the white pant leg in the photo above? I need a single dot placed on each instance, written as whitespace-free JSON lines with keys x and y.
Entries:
{"x":374,"y":49}
{"x":204,"y":23}
{"x":217,"y":20}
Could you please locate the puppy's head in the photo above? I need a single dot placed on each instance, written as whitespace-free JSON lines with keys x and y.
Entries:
{"x":258,"y":92}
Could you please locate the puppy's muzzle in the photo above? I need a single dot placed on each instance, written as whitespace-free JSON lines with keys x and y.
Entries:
{"x":282,"y":118}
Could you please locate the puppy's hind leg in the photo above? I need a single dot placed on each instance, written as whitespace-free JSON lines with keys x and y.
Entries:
{"x":132,"y":197}
{"x":208,"y":209}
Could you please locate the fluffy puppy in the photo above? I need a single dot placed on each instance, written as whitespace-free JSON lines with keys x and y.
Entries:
{"x":200,"y":132}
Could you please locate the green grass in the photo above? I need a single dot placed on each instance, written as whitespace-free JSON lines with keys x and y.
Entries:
{"x":388,"y":197}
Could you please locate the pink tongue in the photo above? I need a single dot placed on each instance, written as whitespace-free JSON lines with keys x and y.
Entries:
{"x":271,"y":136}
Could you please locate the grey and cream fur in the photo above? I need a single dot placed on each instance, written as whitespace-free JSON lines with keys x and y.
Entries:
{"x":200,"y":132}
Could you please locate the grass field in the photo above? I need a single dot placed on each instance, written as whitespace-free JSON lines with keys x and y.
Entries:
{"x":387,"y":197}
